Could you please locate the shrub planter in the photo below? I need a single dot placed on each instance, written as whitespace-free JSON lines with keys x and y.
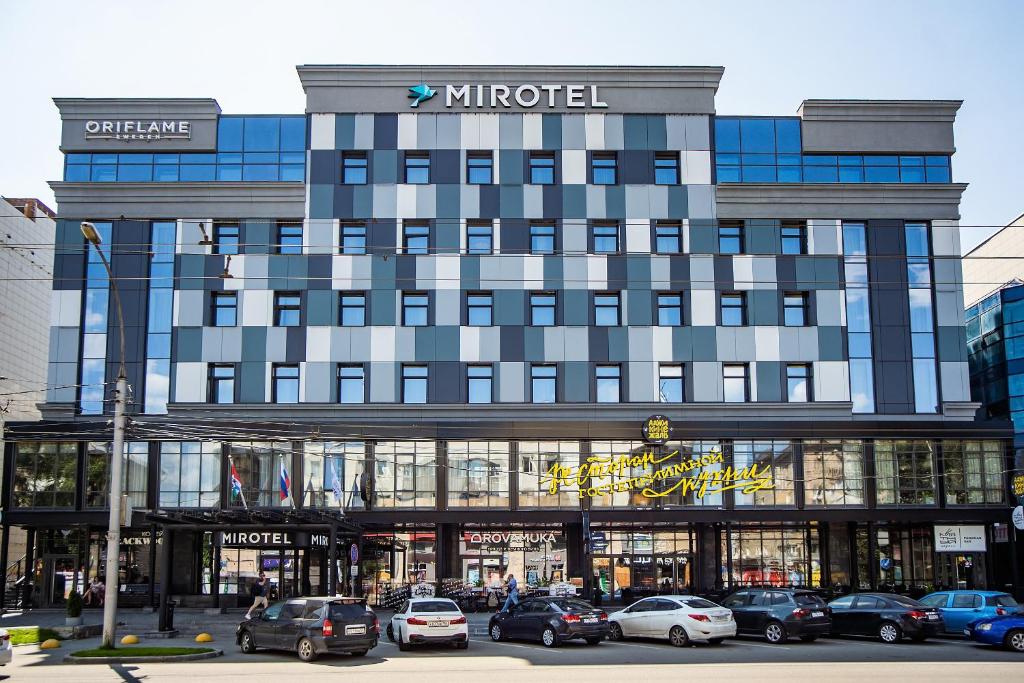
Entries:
{"x":140,"y":654}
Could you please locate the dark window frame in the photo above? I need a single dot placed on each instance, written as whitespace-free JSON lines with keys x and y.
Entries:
{"x":216,"y":299}
{"x":803,"y":308}
{"x":545,"y":378}
{"x":742,"y":307}
{"x":355,"y":155}
{"x":807,"y":378}
{"x":356,"y":227}
{"x":290,"y":249}
{"x":275,"y":378}
{"x":745,"y":378}
{"x":222,"y":231}
{"x":406,"y":307}
{"x":676,"y":167}
{"x":281,"y":308}
{"x":617,"y":307}
{"x":534,"y":307}
{"x":675,"y":226}
{"x":659,"y":307}
{"x":339,"y":379}
{"x":476,"y":224}
{"x":618,"y":377}
{"x":425,"y":377}
{"x":490,"y":382}
{"x":544,"y":225}
{"x":800,"y":237}
{"x":213,"y":382}
{"x":416,"y":225}
{"x":479,"y":155}
{"x":605,"y":225}
{"x":681,"y":367}
{"x":411,"y":156}
{"x":613,"y":167}
{"x":471,"y":307}
{"x":539,"y":155}
{"x":342,"y":306}
{"x":732,"y":230}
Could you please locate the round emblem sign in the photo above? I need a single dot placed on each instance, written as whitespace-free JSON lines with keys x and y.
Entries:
{"x":656,"y":429}
{"x":353,"y":553}
{"x":1018,"y":517}
{"x":885,"y":563}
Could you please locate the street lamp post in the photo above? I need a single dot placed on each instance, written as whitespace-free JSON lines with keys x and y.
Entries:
{"x":116,"y":457}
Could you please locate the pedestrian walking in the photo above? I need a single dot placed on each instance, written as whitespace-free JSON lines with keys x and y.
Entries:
{"x":259,"y":592}
{"x":513,"y":592}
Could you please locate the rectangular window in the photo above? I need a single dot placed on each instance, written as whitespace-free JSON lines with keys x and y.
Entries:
{"x":670,"y":383}
{"x":798,"y":383}
{"x":287,"y":309}
{"x":606,"y":309}
{"x":794,"y":238}
{"x":479,"y":308}
{"x":414,"y":309}
{"x":353,"y":309}
{"x":604,"y":168}
{"x":858,"y":317}
{"x":735,"y":388}
{"x":222,"y":384}
{"x":351,"y":384}
{"x":259,"y":469}
{"x":417,"y":168}
{"x":44,"y":474}
{"x":225,"y":239}
{"x":134,"y":473}
{"x":406,"y":475}
{"x":415,"y":237}
{"x":730,"y":238}
{"x":606,"y":238}
{"x":734,"y":309}
{"x":353,"y":168}
{"x":775,"y":460}
{"x":973,"y":472}
{"x":333,"y":470}
{"x":479,"y":168}
{"x":224,"y":309}
{"x":670,"y":309}
{"x":922,"y":321}
{"x":479,"y":380}
{"x":608,"y":380}
{"x":834,"y":473}
{"x":536,"y":458}
{"x":414,"y":384}
{"x":668,"y":238}
{"x":666,"y":168}
{"x":285,"y":383}
{"x":353,"y":238}
{"x":542,"y":238}
{"x":289,"y":238}
{"x":479,"y":237}
{"x":190,"y":474}
{"x":542,"y":168}
{"x":542,"y":309}
{"x":478,"y":474}
{"x":905,"y":472}
{"x":794,"y":306}
{"x":543,"y":380}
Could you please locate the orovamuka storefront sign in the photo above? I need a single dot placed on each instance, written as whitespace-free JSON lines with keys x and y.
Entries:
{"x":959,"y":539}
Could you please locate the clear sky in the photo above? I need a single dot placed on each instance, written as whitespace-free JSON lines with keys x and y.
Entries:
{"x":776,"y":53}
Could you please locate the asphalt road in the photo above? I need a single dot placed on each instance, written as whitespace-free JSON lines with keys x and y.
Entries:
{"x":747,"y":660}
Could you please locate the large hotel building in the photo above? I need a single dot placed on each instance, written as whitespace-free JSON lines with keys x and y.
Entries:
{"x":566,"y":322}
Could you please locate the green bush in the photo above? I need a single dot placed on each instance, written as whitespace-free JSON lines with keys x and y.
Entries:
{"x":26,"y":635}
{"x":75,"y":604}
{"x":140,"y":651}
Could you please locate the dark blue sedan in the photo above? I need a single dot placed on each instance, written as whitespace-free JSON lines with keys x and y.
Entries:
{"x":1006,"y":630}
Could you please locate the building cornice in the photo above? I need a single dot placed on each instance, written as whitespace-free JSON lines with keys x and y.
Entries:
{"x":880,"y":110}
{"x":925,"y":201}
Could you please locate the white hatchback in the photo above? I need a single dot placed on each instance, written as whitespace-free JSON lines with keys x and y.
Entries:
{"x":681,"y":619}
{"x":421,"y":621}
{"x":6,"y":651}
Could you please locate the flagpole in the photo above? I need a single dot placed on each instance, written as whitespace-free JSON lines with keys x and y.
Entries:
{"x":241,"y":493}
{"x":288,"y":485}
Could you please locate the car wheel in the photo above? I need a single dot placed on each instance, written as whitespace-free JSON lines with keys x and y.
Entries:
{"x":774,"y":632}
{"x":614,"y":632}
{"x":677,"y":636}
{"x":1015,"y":640}
{"x":549,"y":637}
{"x":594,"y":641}
{"x":391,"y":633}
{"x":496,"y":633}
{"x":463,"y":645}
{"x":808,"y":639}
{"x":889,"y":632}
{"x":715,"y":641}
{"x":402,"y":645}
{"x":247,"y":644}
{"x":306,"y":651}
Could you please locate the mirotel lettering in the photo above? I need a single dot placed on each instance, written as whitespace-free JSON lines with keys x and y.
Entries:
{"x":138,"y":130}
{"x":270,"y":538}
{"x":527,"y":96}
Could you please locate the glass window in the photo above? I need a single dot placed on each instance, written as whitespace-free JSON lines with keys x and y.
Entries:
{"x":795,"y":309}
{"x":542,"y":168}
{"x":225,"y":309}
{"x":734,"y":380}
{"x":668,"y":238}
{"x":536,"y":459}
{"x":767,"y":555}
{"x":415,"y":238}
{"x":905,"y":472}
{"x":606,"y":309}
{"x":670,"y":309}
{"x":479,"y":238}
{"x":542,"y":238}
{"x":287,"y":309}
{"x":666,"y":168}
{"x":333,"y":470}
{"x":134,"y":472}
{"x":479,"y":168}
{"x":798,"y":383}
{"x":414,"y":384}
{"x":414,"y":309}
{"x":417,"y":168}
{"x":794,"y":238}
{"x":604,"y":168}
{"x":479,"y":308}
{"x":353,"y":238}
{"x":479,"y":383}
{"x":406,"y":474}
{"x":542,"y":383}
{"x":258,"y":465}
{"x":734,"y":310}
{"x":834,"y":473}
{"x":606,"y":239}
{"x":973,"y":472}
{"x":730,"y":239}
{"x":351,"y":384}
{"x":858,"y":317}
{"x":289,"y":238}
{"x":478,"y":474}
{"x":225,"y":238}
{"x":353,"y":168}
{"x":608,"y":380}
{"x":353,"y":309}
{"x":542,"y":309}
{"x":222,"y":383}
{"x":285,"y":383}
{"x":190,"y":473}
{"x":670,"y":383}
{"x":45,"y":474}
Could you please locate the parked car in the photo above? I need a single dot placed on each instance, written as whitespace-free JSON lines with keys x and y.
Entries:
{"x":552,"y":621}
{"x":961,"y":607}
{"x":888,"y":616}
{"x":6,"y":651}
{"x":311,"y":627}
{"x":422,"y":621}
{"x":1006,"y":630}
{"x":680,"y":618}
{"x":778,"y":613}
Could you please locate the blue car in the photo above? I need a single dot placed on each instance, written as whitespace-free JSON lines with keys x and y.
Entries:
{"x":1006,"y":631}
{"x":961,"y":607}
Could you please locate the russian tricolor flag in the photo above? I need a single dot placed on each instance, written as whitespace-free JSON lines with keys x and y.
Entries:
{"x":286,"y":483}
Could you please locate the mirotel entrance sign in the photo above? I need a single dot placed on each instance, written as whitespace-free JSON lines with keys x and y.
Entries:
{"x":127,"y":130}
{"x":499,"y":96}
{"x":272,"y":539}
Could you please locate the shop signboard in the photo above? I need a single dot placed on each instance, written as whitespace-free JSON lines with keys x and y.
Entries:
{"x":951,"y":538}
{"x":509,"y":541}
{"x":271,"y":539}
{"x":1017,"y":484}
{"x":1018,"y":517}
{"x":421,"y":590}
{"x":656,"y":429}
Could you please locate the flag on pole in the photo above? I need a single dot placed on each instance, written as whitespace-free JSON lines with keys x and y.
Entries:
{"x":286,"y":483}
{"x":336,"y":481}
{"x":236,"y":484}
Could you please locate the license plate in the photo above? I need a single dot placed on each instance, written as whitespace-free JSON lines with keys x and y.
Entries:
{"x":590,"y":620}
{"x":439,"y":624}
{"x":720,"y":617}
{"x":355,"y":630}
{"x":817,"y":614}
{"x":967,"y":631}
{"x":933,"y":616}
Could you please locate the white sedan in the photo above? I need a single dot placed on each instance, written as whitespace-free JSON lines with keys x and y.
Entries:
{"x":681,"y":619}
{"x":6,"y":651}
{"x":421,"y":621}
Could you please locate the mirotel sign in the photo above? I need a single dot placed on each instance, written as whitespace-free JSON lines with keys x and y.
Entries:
{"x":156,"y":129}
{"x":244,"y":539}
{"x":495,"y":96}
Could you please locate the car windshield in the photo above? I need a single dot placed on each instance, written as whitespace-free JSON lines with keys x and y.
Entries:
{"x":347,"y":610}
{"x":699,"y":603}
{"x":808,"y":599}
{"x":904,"y":600}
{"x":433,"y":606}
{"x":572,"y":605}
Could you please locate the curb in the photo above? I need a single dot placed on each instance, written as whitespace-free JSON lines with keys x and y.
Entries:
{"x":71,"y":659}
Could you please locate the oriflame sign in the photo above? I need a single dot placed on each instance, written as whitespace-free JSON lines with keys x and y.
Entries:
{"x":138,"y":130}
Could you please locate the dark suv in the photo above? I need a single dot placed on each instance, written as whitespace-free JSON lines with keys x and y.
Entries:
{"x":311,"y":627}
{"x":778,"y":613}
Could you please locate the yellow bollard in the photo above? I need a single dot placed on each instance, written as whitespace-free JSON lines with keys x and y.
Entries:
{"x":130,"y":640}
{"x":204,"y":638}
{"x":49,"y":644}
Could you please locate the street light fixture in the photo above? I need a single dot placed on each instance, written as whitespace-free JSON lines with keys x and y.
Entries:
{"x":116,"y":457}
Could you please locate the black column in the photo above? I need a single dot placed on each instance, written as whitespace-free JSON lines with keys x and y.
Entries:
{"x":6,"y":531}
{"x":152,"y":563}
{"x":825,"y":554}
{"x":872,"y":556}
{"x":166,"y":549}
{"x":30,"y":561}
{"x":215,"y":572}
{"x":332,"y":565}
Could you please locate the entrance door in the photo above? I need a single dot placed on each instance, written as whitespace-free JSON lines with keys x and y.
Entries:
{"x":60,"y":576}
{"x":961,"y":571}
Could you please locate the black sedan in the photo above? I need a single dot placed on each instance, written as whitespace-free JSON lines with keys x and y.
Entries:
{"x":311,"y":627}
{"x":887,"y":616}
{"x":552,"y":621}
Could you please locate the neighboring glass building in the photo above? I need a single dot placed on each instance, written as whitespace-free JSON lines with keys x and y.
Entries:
{"x":411,"y":335}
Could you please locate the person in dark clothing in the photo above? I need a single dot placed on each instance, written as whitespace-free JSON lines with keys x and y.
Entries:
{"x":259,"y":592}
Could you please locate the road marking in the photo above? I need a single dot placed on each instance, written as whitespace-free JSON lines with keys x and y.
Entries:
{"x":535,"y":648}
{"x":616,"y":643}
{"x":770,"y":647}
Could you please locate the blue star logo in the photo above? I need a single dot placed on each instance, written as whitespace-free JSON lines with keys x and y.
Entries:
{"x":420,"y":93}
